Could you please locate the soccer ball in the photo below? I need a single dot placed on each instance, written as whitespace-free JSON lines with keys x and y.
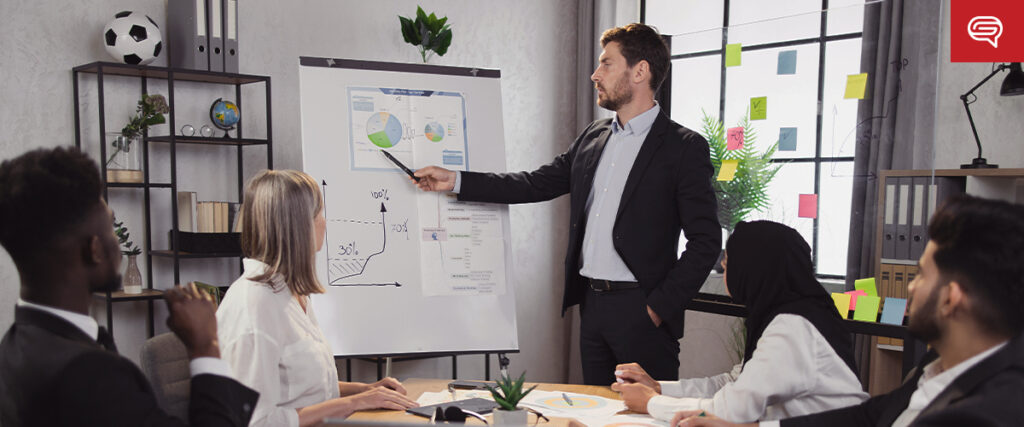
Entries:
{"x":132,"y":38}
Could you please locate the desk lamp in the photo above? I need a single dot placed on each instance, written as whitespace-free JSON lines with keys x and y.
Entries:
{"x":1012,"y":85}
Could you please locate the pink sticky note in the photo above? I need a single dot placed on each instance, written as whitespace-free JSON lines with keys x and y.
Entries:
{"x":853,"y":298}
{"x":735,"y":139}
{"x":808,"y":206}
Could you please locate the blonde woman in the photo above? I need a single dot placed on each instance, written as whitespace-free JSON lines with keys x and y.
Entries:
{"x":268,"y":332}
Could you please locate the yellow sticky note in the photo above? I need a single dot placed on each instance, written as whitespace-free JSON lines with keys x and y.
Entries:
{"x":728,"y":170}
{"x":733,"y":54}
{"x":866,"y":285}
{"x":842,"y":302}
{"x":759,"y":108}
{"x":867,"y":309}
{"x":855,"y":86}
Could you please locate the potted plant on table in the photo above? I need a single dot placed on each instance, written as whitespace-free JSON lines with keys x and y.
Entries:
{"x":131,"y":281}
{"x":124,"y":164}
{"x":427,"y":32}
{"x":507,"y":394}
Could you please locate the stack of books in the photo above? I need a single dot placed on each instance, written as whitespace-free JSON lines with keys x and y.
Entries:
{"x":207,"y":216}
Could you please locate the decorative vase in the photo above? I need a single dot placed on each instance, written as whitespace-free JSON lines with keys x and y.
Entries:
{"x":510,"y":418}
{"x":124,"y":161}
{"x":131,"y":281}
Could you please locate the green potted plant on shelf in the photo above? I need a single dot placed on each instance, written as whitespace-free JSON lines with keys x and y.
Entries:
{"x":747,"y":191}
{"x":124,"y":164}
{"x":427,"y":32}
{"x":507,"y":394}
{"x":131,"y":281}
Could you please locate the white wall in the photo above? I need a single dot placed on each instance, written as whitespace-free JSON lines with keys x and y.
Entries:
{"x":529,"y":41}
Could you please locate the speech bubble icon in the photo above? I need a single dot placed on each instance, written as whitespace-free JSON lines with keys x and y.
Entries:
{"x":985,"y":29}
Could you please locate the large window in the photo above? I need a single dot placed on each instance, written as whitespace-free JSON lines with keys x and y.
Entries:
{"x":798,"y":54}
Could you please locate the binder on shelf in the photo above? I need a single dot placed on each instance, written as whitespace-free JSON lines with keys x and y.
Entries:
{"x":889,"y":219}
{"x":885,"y":291}
{"x":919,"y":218}
{"x":187,"y":211}
{"x":187,"y":34}
{"x":903,"y":218}
{"x":230,"y":8}
{"x":899,"y":282}
{"x":216,"y":25}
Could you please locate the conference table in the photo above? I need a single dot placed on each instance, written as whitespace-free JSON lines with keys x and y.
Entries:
{"x":416,"y":387}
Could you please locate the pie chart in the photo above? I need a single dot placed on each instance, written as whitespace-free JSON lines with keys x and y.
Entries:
{"x":384,"y":130}
{"x":434,"y":131}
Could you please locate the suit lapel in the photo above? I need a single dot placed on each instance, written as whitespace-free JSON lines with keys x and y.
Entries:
{"x":643,"y":158}
{"x":54,"y":324}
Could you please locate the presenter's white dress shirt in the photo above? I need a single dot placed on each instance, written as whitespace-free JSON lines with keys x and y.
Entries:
{"x":793,"y":371}
{"x":275,"y":347}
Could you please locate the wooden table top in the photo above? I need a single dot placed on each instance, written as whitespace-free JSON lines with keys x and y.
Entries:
{"x":416,"y":387}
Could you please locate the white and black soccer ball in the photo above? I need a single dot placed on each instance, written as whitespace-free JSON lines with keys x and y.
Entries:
{"x":132,"y":38}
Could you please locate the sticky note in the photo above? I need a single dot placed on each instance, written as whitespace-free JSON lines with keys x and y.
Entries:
{"x":787,"y":139}
{"x":728,"y":170}
{"x":759,"y":108}
{"x":734,"y":140}
{"x":855,"y":86}
{"x":893,"y":310}
{"x":733,"y":54}
{"x":842,"y":304}
{"x":866,"y":285}
{"x":867,"y":308}
{"x":787,"y":62}
{"x":808,"y":206}
{"x":853,"y":298}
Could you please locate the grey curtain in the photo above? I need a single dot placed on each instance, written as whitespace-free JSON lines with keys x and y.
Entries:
{"x":899,"y":53}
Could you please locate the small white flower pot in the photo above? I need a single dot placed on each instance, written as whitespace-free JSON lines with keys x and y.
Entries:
{"x":510,"y":418}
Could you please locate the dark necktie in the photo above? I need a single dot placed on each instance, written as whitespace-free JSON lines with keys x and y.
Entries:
{"x":106,"y":340}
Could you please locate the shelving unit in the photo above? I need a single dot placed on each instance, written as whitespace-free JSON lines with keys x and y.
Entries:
{"x":103,"y":70}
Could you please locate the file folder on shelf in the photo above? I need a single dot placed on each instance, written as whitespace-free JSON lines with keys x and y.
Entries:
{"x":216,"y":22}
{"x":230,"y":36}
{"x":187,"y":34}
{"x":889,"y":219}
{"x":903,"y":215}
{"x":919,"y":218}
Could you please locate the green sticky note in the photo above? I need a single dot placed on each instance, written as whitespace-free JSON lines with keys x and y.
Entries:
{"x":856,"y":84}
{"x":842,"y":302}
{"x":733,"y":54}
{"x":759,"y":108}
{"x":867,"y":308}
{"x":866,"y":285}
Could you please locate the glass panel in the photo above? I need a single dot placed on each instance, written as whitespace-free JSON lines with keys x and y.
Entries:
{"x":792,"y":99}
{"x":695,"y":85}
{"x":839,"y":116}
{"x":696,"y":24}
{"x":759,"y":21}
{"x":792,"y":180}
{"x":845,"y":16}
{"x":834,"y":216}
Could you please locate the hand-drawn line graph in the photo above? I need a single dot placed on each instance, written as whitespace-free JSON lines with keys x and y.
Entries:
{"x":343,"y":261}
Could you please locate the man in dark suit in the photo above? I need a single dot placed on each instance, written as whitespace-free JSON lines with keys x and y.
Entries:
{"x":634,"y":182}
{"x":966,"y":304}
{"x":57,"y":366}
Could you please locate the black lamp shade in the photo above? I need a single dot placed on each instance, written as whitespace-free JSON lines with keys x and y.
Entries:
{"x":1014,"y":82}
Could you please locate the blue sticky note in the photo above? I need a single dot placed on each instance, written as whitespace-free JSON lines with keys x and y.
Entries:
{"x":787,"y":139}
{"x":892,"y":312}
{"x":787,"y":62}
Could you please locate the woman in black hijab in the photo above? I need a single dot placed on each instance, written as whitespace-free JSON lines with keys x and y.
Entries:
{"x":798,"y":356}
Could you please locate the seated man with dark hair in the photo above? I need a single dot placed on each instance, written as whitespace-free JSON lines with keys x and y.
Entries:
{"x":967,"y":303}
{"x":57,"y":366}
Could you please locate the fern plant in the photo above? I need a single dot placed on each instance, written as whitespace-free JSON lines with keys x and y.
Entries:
{"x":511,"y":391}
{"x":747,"y":192}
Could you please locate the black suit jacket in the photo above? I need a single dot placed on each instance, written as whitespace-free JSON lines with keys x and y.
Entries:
{"x":991,"y":393}
{"x":52,"y":374}
{"x":667,"y":190}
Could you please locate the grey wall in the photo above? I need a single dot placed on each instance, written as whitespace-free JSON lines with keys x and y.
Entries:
{"x":529,"y":41}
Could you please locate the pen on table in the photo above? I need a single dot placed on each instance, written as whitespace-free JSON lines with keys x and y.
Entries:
{"x":567,"y":399}
{"x":400,"y":165}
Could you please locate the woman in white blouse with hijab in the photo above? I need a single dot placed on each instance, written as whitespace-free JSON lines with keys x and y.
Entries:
{"x":798,"y":357}
{"x":267,"y":330}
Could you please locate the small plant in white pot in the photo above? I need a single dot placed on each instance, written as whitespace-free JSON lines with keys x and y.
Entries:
{"x":507,"y":395}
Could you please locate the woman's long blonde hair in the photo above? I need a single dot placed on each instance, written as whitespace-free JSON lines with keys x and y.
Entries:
{"x":278,"y":214}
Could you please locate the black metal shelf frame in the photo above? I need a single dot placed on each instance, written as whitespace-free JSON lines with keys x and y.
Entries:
{"x":171,"y":75}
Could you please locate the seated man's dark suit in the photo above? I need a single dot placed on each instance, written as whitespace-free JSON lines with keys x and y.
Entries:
{"x":668,"y":189}
{"x":990,"y":393}
{"x":53,"y":374}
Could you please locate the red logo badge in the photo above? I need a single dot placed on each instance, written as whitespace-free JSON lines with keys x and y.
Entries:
{"x":987,"y":31}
